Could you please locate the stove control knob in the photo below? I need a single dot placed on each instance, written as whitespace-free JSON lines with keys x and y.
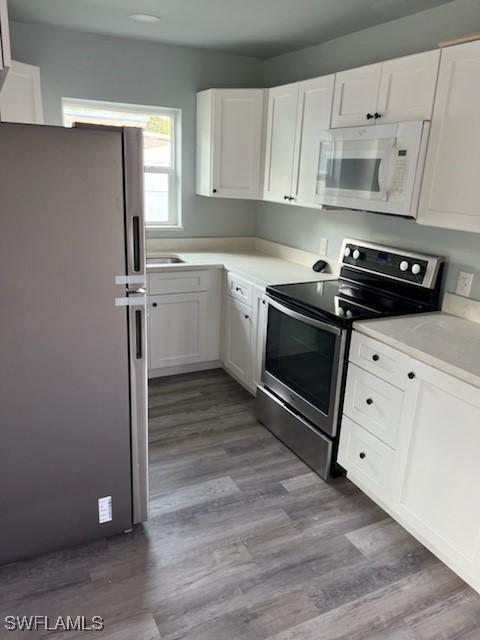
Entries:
{"x":356,"y":254}
{"x":416,"y":268}
{"x":347,"y":252}
{"x":404,"y":265}
{"x":349,"y":314}
{"x":341,"y":311}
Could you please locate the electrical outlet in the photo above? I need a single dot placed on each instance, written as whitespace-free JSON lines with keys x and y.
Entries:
{"x":464,"y":283}
{"x":323,"y":246}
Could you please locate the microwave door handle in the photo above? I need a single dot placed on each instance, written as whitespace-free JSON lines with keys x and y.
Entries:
{"x":384,"y":172}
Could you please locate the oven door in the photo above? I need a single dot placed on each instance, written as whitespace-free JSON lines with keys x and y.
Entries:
{"x":355,"y":164}
{"x":304,"y":364}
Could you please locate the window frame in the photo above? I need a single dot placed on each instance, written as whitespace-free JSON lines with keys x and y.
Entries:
{"x":173,"y":171}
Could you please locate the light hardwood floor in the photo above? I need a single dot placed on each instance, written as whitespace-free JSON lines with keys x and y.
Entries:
{"x":244,"y":543}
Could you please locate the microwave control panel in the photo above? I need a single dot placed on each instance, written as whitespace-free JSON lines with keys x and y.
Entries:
{"x":400,"y":174}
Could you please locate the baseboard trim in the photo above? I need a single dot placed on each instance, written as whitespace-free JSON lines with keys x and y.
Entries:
{"x":184,"y":368}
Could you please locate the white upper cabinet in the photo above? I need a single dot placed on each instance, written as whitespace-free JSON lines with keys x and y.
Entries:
{"x":449,"y":196}
{"x":407,"y":87}
{"x":356,"y":96}
{"x":392,"y":91}
{"x":21,"y":96}
{"x":313,"y":116}
{"x":5,"y":55}
{"x":280,"y":143}
{"x":297,"y":113}
{"x":229,"y":142}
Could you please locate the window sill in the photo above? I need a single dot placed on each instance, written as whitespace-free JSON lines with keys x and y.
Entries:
{"x":161,"y":227}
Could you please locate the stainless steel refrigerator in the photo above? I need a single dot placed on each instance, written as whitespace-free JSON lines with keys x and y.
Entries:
{"x":73,"y":437}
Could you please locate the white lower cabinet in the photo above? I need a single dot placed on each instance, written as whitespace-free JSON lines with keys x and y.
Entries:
{"x":184,"y":321}
{"x":178,"y":329}
{"x":244,"y":331}
{"x":427,"y":476}
{"x":437,"y":473}
{"x":367,"y":459}
{"x":238,"y":338}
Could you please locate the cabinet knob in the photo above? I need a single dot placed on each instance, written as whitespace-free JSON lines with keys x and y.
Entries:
{"x":369,"y":401}
{"x":375,"y":357}
{"x":247,"y":317}
{"x":154,"y":304}
{"x":362,"y":455}
{"x":264,"y":302}
{"x":369,"y":116}
{"x":377,"y":115}
{"x":411,"y":375}
{"x":214,"y":191}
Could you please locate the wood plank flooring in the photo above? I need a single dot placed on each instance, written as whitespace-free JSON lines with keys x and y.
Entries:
{"x":244,"y":543}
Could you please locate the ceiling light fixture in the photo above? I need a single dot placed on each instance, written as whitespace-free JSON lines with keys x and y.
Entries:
{"x":144,"y":17}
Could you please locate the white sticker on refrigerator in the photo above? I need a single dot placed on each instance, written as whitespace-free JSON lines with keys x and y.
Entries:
{"x":105,"y":509}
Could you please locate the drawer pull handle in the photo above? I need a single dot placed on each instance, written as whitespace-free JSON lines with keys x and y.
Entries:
{"x":369,"y":401}
{"x":375,"y":357}
{"x":362,"y":455}
{"x":411,"y":375}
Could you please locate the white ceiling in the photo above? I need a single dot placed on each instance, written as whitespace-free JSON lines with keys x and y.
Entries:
{"x":260,"y":28}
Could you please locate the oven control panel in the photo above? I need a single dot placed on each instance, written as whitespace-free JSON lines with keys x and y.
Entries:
{"x":407,"y":267}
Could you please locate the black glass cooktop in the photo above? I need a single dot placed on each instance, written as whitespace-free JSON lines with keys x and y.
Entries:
{"x":342,"y":301}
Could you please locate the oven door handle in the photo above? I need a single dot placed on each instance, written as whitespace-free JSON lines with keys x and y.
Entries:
{"x":303,"y":318}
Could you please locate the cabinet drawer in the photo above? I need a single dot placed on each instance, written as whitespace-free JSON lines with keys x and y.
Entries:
{"x":383,"y":361}
{"x":240,"y":289}
{"x":373,"y":403}
{"x":367,"y":460}
{"x":177,"y":282}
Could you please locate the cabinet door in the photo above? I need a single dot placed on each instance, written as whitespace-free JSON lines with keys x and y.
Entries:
{"x":437,"y":472}
{"x":314,"y":115}
{"x":407,"y":87}
{"x":177,"y":329}
{"x":21,"y":96}
{"x":238,"y":335}
{"x":5,"y":56}
{"x":258,"y":337}
{"x":237,"y":142}
{"x":356,"y":94}
{"x":280,"y":143}
{"x":449,"y":196}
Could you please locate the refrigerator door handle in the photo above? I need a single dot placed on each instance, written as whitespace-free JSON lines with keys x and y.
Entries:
{"x":138,"y":334}
{"x":134,"y":200}
{"x":138,"y":393}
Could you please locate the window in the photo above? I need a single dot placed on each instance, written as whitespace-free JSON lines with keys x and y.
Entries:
{"x":161,"y":139}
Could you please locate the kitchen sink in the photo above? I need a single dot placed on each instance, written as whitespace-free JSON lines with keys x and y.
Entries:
{"x":165,"y":260}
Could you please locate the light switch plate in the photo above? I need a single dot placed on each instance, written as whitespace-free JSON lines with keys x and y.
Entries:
{"x":464,"y":284}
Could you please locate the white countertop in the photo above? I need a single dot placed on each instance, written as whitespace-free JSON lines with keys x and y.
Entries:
{"x":259,"y":268}
{"x":444,"y":341}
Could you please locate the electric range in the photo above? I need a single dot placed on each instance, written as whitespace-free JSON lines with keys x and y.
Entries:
{"x":309,"y":327}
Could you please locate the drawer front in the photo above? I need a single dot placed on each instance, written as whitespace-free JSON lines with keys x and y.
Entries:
{"x":383,"y":361}
{"x":367,"y":460}
{"x":373,"y":403}
{"x":240,"y":289}
{"x":177,"y":282}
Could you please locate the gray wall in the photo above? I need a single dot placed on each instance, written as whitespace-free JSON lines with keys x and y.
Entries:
{"x":303,"y":228}
{"x":80,"y":65}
